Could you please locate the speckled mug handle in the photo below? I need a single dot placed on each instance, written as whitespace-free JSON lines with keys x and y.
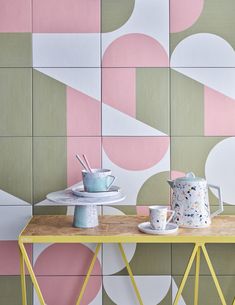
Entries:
{"x":221,"y":204}
{"x":112,"y":181}
{"x":172,"y":214}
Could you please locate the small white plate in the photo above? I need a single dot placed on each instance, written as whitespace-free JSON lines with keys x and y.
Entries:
{"x":79,"y":191}
{"x":146,"y":228}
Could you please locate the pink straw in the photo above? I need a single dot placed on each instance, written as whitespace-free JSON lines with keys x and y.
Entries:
{"x":87,"y":163}
{"x":82,"y":163}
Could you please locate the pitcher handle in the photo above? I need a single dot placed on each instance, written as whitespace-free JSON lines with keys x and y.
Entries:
{"x":221,"y":204}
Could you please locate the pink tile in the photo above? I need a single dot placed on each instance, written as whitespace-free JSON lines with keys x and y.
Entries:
{"x":219,"y":114}
{"x":136,"y":153}
{"x":9,"y":257}
{"x":184,"y":13}
{"x":83,"y":114}
{"x":15,"y":16}
{"x":61,"y":290}
{"x":119,"y":89}
{"x":66,"y":16}
{"x":66,"y":259}
{"x":135,"y":50}
{"x":91,"y":146}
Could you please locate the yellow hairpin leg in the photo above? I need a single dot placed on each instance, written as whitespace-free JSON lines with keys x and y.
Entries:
{"x":88,"y":274}
{"x":179,"y":292}
{"x":22,"y":279}
{"x":234,"y":302}
{"x":197,"y":273}
{"x":212,"y":271}
{"x":130,"y":274}
{"x":31,"y":273}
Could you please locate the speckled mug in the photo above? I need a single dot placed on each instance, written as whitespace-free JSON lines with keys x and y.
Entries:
{"x":99,"y":180}
{"x":158,"y":217}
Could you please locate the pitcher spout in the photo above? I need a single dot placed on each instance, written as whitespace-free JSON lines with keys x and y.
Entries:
{"x":171,"y":183}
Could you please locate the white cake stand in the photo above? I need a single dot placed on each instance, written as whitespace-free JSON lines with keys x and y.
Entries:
{"x":85,"y":212}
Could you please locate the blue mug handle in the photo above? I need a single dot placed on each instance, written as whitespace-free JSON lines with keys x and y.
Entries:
{"x":112,"y":181}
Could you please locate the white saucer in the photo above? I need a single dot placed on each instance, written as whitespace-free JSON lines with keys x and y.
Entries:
{"x":79,"y":191}
{"x":146,"y":228}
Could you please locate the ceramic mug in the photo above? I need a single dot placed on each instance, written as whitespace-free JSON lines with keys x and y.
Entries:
{"x":158,"y":217}
{"x":99,"y":180}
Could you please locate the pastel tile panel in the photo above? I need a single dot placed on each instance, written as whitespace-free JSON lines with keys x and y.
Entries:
{"x":16,"y":101}
{"x":202,"y":102}
{"x":66,"y":50}
{"x":16,"y":166}
{"x":49,"y":176}
{"x":208,"y":293}
{"x":202,"y":37}
{"x":220,"y":255}
{"x":138,"y":41}
{"x":65,"y":259}
{"x":10,"y":258}
{"x":66,"y":16}
{"x":49,"y":106}
{"x":15,"y":50}
{"x":147,"y":287}
{"x":135,"y":101}
{"x":10,"y":290}
{"x":131,"y":160}
{"x":62,"y":290}
{"x":15,"y":16}
{"x":12,"y":221}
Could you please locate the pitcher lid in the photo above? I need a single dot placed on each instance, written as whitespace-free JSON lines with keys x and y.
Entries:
{"x":190,"y":177}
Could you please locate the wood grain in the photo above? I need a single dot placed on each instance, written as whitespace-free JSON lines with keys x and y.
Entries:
{"x":123,"y":226}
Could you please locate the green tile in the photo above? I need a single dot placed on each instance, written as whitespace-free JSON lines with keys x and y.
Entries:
{"x":157,"y":260}
{"x":155,"y":190}
{"x":15,"y":49}
{"x":152,"y":97}
{"x":10,"y":290}
{"x":42,"y":210}
{"x":207,"y":292}
{"x":115,"y":13}
{"x":16,"y":101}
{"x":187,"y":106}
{"x":221,"y":255}
{"x":50,"y":165}
{"x":217,"y":17}
{"x":49,"y":106}
{"x":16,"y":166}
{"x":189,"y":154}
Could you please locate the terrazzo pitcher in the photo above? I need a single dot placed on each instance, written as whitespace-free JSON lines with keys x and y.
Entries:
{"x":190,"y":201}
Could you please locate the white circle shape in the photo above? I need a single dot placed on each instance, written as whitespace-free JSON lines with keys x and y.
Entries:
{"x":220,"y":169}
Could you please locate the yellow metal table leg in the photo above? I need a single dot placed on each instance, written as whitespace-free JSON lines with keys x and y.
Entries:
{"x":130,"y":274}
{"x":179,"y":292}
{"x":197,"y":273}
{"x":212,"y":271}
{"x":31,"y":273}
{"x":22,"y":279}
{"x":234,"y":302}
{"x":88,"y":274}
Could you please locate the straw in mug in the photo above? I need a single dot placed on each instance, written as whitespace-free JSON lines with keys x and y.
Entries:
{"x":87,"y":162}
{"x":82,"y":163}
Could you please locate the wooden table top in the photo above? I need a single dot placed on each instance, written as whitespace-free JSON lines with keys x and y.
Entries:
{"x":58,"y":228}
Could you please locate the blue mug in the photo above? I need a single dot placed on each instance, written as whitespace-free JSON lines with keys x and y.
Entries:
{"x":99,"y":180}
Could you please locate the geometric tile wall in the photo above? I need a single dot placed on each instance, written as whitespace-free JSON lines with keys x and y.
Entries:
{"x":145,"y":88}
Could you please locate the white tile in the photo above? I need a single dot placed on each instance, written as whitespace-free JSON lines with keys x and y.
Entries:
{"x":66,"y":50}
{"x":12,"y":220}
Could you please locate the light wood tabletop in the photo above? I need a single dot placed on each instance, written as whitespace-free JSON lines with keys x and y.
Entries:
{"x":123,"y":229}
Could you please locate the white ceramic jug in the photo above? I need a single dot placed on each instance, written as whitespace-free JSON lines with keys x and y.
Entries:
{"x":190,"y":201}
